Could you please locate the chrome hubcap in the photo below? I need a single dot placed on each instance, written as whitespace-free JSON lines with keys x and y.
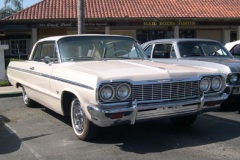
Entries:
{"x":25,"y":97}
{"x":78,"y":117}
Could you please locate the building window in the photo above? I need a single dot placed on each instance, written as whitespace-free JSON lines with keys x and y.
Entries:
{"x":187,"y":34}
{"x":147,"y":35}
{"x":18,"y":47}
{"x":233,"y":36}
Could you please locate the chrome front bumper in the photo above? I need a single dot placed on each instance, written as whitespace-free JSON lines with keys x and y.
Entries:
{"x":134,"y":111}
{"x":235,"y":91}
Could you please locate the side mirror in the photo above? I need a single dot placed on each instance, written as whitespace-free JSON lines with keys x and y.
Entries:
{"x":47,"y":59}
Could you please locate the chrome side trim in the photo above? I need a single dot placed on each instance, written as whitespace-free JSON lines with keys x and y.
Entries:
{"x":52,"y":77}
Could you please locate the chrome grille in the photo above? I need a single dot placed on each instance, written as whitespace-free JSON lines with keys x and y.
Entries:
{"x":171,"y":91}
{"x":166,"y":91}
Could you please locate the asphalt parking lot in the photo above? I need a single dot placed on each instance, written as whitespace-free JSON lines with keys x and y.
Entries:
{"x":38,"y":133}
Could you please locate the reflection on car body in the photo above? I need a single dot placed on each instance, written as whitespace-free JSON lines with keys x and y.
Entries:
{"x":196,"y":52}
{"x":106,"y":80}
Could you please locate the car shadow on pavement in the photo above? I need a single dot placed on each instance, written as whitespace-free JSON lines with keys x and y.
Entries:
{"x":64,"y":119}
{"x":160,"y":135}
{"x":232,"y":104}
{"x":9,"y":140}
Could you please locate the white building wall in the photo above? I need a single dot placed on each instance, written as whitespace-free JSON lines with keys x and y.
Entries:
{"x":226,"y":36}
{"x":2,"y":61}
{"x":238,"y":33}
{"x":176,"y":31}
{"x":34,"y":36}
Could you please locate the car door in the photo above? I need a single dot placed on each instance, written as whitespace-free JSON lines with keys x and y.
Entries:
{"x":40,"y":67}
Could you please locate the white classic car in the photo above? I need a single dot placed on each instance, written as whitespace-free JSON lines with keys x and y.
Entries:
{"x":196,"y":52}
{"x":106,"y":80}
{"x":234,"y":48}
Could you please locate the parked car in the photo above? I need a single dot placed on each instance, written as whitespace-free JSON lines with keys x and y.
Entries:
{"x":106,"y":80}
{"x":197,"y":52}
{"x":234,"y":48}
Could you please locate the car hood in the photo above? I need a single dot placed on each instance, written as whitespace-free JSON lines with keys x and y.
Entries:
{"x":234,"y":64}
{"x":136,"y":70}
{"x":190,"y":62}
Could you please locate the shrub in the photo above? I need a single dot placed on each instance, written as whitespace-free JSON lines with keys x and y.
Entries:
{"x":7,"y":61}
{"x":4,"y":83}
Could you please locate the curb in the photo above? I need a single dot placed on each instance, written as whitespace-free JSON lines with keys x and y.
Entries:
{"x":13,"y":94}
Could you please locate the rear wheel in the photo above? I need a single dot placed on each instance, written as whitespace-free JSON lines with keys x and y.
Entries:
{"x":83,"y":128}
{"x":27,"y":101}
{"x":184,"y":121}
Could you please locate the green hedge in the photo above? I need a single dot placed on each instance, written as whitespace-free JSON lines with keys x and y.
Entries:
{"x":7,"y":61}
{"x":4,"y":83}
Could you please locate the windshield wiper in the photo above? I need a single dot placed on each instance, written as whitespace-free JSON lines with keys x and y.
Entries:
{"x":78,"y":58}
{"x":193,"y":55}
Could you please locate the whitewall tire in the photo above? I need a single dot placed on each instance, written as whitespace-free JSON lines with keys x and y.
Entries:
{"x":83,"y":128}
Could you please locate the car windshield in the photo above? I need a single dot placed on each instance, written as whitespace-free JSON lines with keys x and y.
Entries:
{"x":83,"y":48}
{"x":202,"y":49}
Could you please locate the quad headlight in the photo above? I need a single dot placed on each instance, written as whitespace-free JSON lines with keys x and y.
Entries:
{"x":233,"y":78}
{"x":107,"y":93}
{"x":115,"y":92}
{"x":123,"y":91}
{"x":205,"y":84}
{"x":217,"y":83}
{"x":212,"y":84}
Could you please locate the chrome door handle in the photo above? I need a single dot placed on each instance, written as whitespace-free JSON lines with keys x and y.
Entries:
{"x":32,"y":68}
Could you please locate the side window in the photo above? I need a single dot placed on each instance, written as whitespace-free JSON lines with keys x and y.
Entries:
{"x":148,"y":51}
{"x":45,"y":50}
{"x":48,"y":49}
{"x":236,"y":50}
{"x":37,"y":53}
{"x":162,"y":51}
{"x":213,"y":50}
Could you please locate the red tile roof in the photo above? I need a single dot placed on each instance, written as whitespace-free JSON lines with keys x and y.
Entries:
{"x":98,"y":9}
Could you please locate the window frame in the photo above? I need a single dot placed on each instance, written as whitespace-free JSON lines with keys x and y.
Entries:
{"x":39,"y":48}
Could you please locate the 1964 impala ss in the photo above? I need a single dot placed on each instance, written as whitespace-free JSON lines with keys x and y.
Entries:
{"x":106,"y":80}
{"x":196,"y":52}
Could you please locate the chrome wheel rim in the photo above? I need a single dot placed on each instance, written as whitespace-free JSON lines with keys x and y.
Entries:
{"x":78,"y":117}
{"x":25,"y":97}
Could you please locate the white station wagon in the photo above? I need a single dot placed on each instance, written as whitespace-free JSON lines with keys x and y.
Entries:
{"x":106,"y":80}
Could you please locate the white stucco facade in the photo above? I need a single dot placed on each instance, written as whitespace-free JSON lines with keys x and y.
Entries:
{"x":2,"y":61}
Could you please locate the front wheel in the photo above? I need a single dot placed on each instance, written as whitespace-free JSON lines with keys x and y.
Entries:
{"x":27,"y":101}
{"x":83,"y":128}
{"x":184,"y":121}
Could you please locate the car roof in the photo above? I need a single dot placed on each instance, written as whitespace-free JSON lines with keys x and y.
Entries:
{"x":181,"y":40}
{"x":175,"y":40}
{"x":230,"y":45}
{"x":56,"y":38}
